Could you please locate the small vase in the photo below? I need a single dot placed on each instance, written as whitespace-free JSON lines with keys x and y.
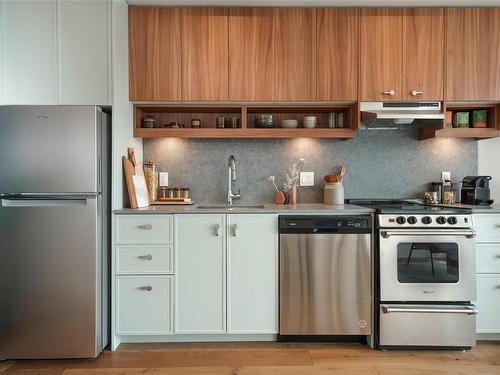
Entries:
{"x":293,"y":195}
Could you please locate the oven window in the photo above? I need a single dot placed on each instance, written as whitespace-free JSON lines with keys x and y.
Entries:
{"x":427,"y":262}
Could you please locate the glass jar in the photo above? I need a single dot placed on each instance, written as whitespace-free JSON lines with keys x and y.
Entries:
{"x":162,"y":193}
{"x":151,"y":176}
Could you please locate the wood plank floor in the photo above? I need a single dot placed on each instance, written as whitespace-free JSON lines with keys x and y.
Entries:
{"x":267,"y":359}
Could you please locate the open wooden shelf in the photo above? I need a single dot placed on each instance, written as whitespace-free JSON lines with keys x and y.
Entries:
{"x":246,"y":112}
{"x":477,"y":133}
{"x":341,"y":133}
{"x":492,"y":131}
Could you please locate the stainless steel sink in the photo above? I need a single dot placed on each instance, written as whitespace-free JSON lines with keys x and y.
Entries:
{"x":229,"y":207}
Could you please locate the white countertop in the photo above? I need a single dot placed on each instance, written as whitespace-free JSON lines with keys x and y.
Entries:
{"x":297,"y":209}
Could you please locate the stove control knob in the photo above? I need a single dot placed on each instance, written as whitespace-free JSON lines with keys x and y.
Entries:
{"x":452,"y":220}
{"x":427,"y":220}
{"x":412,"y":220}
{"x":401,"y":220}
{"x":441,"y":220}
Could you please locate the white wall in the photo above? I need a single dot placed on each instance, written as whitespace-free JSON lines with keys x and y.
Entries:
{"x":122,"y":108}
{"x":489,"y":164}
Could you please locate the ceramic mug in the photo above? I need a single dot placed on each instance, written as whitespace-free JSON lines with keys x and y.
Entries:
{"x":310,"y":122}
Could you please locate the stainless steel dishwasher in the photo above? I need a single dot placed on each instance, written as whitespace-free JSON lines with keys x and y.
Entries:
{"x":325,"y":276}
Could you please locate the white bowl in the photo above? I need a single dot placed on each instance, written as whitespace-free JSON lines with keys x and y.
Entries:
{"x":289,"y":123}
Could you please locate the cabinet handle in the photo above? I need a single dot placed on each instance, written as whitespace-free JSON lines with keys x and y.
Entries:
{"x":415,"y":93}
{"x":145,"y":257}
{"x":235,"y":230}
{"x":145,"y":227}
{"x":390,"y":92}
{"x":498,"y":256}
{"x":148,"y":288}
{"x":498,"y":286}
{"x":217,"y":230}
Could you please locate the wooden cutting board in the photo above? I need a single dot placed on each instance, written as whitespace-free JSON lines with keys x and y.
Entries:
{"x":137,"y":197}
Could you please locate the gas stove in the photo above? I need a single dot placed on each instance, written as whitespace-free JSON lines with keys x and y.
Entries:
{"x":411,"y":214}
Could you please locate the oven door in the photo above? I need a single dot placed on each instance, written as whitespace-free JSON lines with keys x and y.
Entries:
{"x":427,"y":265}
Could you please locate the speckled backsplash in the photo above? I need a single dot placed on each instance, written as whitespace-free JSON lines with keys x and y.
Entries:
{"x":380,"y":164}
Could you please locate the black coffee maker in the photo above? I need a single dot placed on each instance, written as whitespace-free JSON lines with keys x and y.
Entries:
{"x":476,"y":190}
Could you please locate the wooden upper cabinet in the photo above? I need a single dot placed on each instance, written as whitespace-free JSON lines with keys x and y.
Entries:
{"x":423,"y":54}
{"x":155,"y":61}
{"x":338,"y":53}
{"x":472,"y":55}
{"x":295,"y":51}
{"x":251,"y":54}
{"x":381,"y":54}
{"x":205,"y":38}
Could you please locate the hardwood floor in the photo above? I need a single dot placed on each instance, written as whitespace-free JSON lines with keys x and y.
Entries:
{"x":267,"y":359}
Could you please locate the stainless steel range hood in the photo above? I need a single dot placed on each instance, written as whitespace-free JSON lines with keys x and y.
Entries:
{"x":401,"y":112}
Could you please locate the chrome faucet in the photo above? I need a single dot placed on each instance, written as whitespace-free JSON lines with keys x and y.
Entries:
{"x":231,"y":167}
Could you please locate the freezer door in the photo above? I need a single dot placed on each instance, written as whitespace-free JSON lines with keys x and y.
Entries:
{"x":49,"y":149}
{"x":49,"y":255}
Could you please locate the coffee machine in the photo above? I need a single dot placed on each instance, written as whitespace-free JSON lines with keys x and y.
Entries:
{"x":476,"y":190}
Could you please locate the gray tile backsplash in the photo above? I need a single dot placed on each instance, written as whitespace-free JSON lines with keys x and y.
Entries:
{"x":380,"y":164}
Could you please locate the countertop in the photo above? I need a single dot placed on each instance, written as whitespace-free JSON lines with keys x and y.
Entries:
{"x":297,"y":209}
{"x":494,"y":209}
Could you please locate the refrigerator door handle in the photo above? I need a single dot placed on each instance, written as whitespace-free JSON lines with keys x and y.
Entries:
{"x":43,"y":202}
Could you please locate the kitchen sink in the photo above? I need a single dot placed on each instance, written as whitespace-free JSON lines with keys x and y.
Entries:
{"x":229,"y":207}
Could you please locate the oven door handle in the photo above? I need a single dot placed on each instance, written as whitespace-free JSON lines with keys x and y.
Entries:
{"x":466,"y":310}
{"x":466,"y":233}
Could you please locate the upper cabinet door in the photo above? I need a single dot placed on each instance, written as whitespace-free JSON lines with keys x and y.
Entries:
{"x":423,"y":54}
{"x":472,"y":58}
{"x":85,"y":44}
{"x":205,"y":53}
{"x":251,"y":54}
{"x":338,"y":53}
{"x":381,"y":54}
{"x":155,"y":58}
{"x":295,"y":48}
{"x":30,"y":52}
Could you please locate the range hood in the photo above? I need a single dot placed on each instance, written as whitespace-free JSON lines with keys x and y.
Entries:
{"x":401,"y":112}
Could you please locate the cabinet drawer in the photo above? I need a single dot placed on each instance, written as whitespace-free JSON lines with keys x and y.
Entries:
{"x":488,"y":227}
{"x":144,"y":305}
{"x":144,"y":259}
{"x":488,"y":258}
{"x":144,"y":229}
{"x":488,"y":303}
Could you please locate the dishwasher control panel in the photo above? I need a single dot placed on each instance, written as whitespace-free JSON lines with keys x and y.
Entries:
{"x":305,"y":224}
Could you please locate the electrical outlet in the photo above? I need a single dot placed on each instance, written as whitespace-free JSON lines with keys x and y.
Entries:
{"x":163,"y":179}
{"x":445,"y":176}
{"x":306,"y":178}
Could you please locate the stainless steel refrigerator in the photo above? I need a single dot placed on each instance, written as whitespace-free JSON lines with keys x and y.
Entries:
{"x":54,"y":231}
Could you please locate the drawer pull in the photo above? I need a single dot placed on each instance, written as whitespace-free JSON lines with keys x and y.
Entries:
{"x":390,"y":92}
{"x":145,"y":257}
{"x":415,"y":93}
{"x":148,"y":288}
{"x":217,"y":230}
{"x":235,"y":230}
{"x":145,"y":227}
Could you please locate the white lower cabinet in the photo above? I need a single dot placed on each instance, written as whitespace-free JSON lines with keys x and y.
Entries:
{"x":144,"y":305}
{"x":488,"y":273}
{"x":201,"y":274}
{"x":488,"y":303}
{"x":188,"y":277}
{"x":252,"y":286}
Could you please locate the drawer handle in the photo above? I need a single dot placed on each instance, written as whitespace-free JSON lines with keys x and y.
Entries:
{"x":235,"y":230}
{"x":145,"y":257}
{"x":217,"y":230}
{"x":148,"y":288}
{"x":415,"y":93}
{"x":390,"y":92}
{"x":145,"y":227}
